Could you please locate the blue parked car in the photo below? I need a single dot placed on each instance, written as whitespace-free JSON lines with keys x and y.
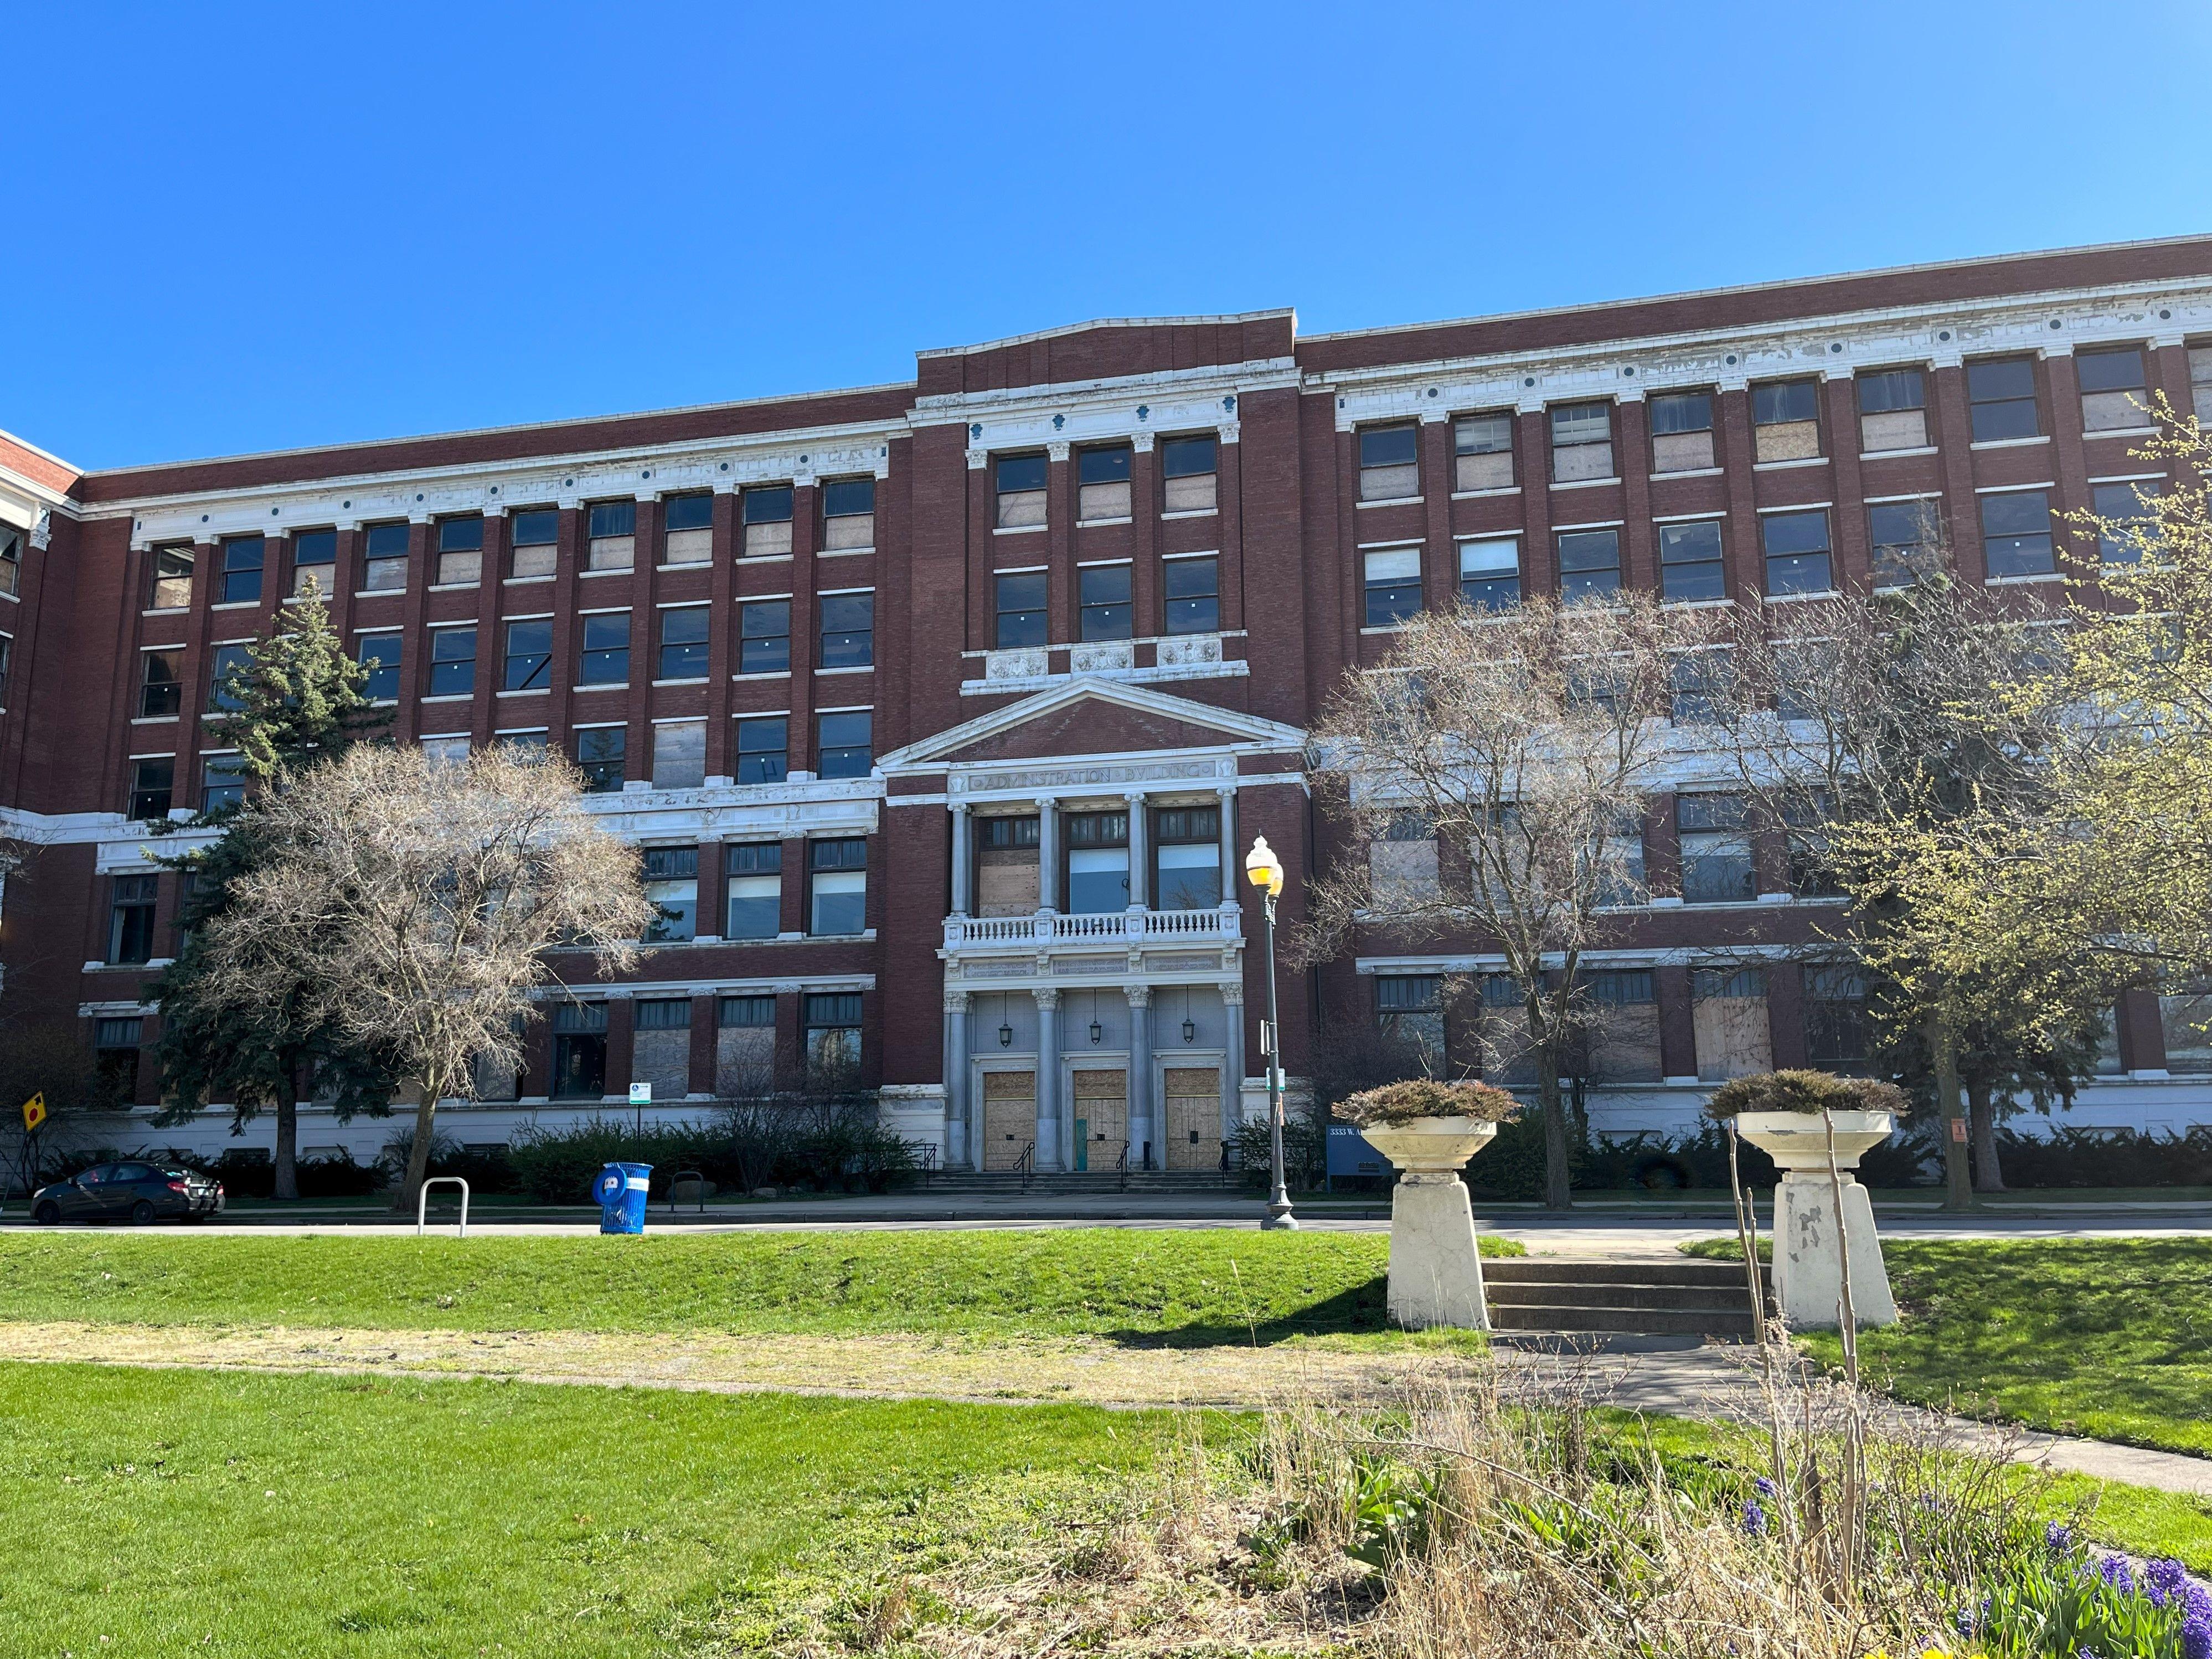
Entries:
{"x":132,"y":1190}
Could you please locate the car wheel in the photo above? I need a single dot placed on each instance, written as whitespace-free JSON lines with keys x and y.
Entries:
{"x":48,"y":1213}
{"x":142,"y":1212}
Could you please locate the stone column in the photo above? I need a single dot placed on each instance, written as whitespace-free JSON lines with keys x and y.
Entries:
{"x":1048,"y":1080}
{"x":1232,"y":872}
{"x":1140,"y":886}
{"x":961,"y":1151}
{"x":1048,"y":855}
{"x":1144,"y":1133}
{"x":1232,"y":1068}
{"x":963,"y":861}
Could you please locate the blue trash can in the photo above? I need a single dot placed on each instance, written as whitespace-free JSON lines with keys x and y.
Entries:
{"x":621,"y":1189}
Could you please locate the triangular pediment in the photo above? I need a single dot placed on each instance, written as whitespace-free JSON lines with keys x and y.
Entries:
{"x":1090,"y":718}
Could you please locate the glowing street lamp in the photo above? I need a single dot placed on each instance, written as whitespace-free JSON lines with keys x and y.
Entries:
{"x":1265,"y":872}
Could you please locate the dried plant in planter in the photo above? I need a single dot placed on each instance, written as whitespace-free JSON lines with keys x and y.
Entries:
{"x":1419,"y":1098}
{"x":1805,"y":1091}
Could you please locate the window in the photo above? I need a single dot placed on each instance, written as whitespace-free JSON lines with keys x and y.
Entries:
{"x":612,"y":536}
{"x":242,"y":558}
{"x":579,"y":1051}
{"x":460,"y":551}
{"x":1006,"y":866}
{"x":380,"y":655}
{"x":160,"y":682}
{"x":2113,"y":396}
{"x":2185,"y":1021}
{"x":11,"y":560}
{"x":754,"y":894}
{"x":848,"y":513}
{"x":7,"y":659}
{"x":1805,"y":845}
{"x":849,"y":630}
{"x":524,"y":745}
{"x":1401,"y":865}
{"x":1835,"y":1018}
{"x":1796,"y":547}
{"x":228,"y":659}
{"x":664,"y":1014}
{"x":1785,"y":420}
{"x":1582,"y":442}
{"x":1621,"y":869}
{"x":747,"y":1012}
{"x":833,"y":1039}
{"x":222,"y":782}
{"x":1690,"y":561}
{"x":837,"y":882}
{"x":687,"y":529}
{"x":1393,"y":581}
{"x":1020,"y":599}
{"x":1019,"y":481}
{"x":536,"y":536}
{"x":2200,"y":383}
{"x":1482,"y":452}
{"x":2016,"y":534}
{"x":606,"y":659}
{"x":1893,"y":410}
{"x":315,"y":563}
{"x":1105,"y":593}
{"x":1906,"y":537}
{"x":453,"y":661}
{"x":1681,"y":431}
{"x":115,"y":1044}
{"x":153,"y":784}
{"x":1389,"y":463}
{"x":1490,"y":574}
{"x":843,"y":747}
{"x":1716,"y":849}
{"x":764,"y":636}
{"x":1589,"y":564}
{"x":2127,"y":520}
{"x":1187,"y":858}
{"x":1193,"y":595}
{"x":1188,"y":468}
{"x":172,"y":577}
{"x":683,"y":642}
{"x":672,"y":882}
{"x":130,"y":919}
{"x":529,"y":655}
{"x":1409,"y":1007}
{"x":679,"y":754}
{"x":1102,"y":483}
{"x":451,"y":749}
{"x":384,"y":561}
{"x":2001,"y":400}
{"x":767,"y":515}
{"x":600,"y":754}
{"x":764,"y":746}
{"x":1728,"y":1020}
{"x":1697,"y":680}
{"x":1098,"y":863}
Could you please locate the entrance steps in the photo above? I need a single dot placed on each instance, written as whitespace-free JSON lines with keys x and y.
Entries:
{"x":1657,"y":1297}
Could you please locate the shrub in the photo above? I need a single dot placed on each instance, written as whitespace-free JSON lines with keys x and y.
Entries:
{"x":1805,"y":1091}
{"x":1305,"y":1151}
{"x":831,"y":1147}
{"x":2073,"y":1157}
{"x":1419,"y":1098}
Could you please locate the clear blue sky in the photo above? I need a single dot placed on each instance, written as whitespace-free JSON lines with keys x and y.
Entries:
{"x":236,"y":228}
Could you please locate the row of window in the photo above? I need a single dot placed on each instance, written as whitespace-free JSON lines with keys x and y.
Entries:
{"x":2002,"y":406}
{"x":849,"y":508}
{"x":1794,"y":547}
{"x":829,"y":1027}
{"x":1183,"y":864}
{"x":1188,"y":472}
{"x":1190,"y":599}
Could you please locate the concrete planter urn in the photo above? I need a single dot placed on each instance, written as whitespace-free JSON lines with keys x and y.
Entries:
{"x":1435,"y":1273}
{"x":1808,"y":1269}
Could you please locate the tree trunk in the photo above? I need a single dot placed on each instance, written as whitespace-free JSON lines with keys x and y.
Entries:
{"x":1951,"y":1126}
{"x":1559,"y":1175}
{"x":288,"y":1139}
{"x":418,"y":1151}
{"x":1988,"y":1176}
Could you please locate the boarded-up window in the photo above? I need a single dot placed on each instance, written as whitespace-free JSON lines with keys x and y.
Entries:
{"x":679,"y":754}
{"x":1006,"y":866}
{"x":1401,"y":867}
{"x":1409,"y":1007}
{"x":1582,"y":442}
{"x":1389,"y":463}
{"x":744,"y":1048}
{"x":613,"y":542}
{"x":1785,"y":420}
{"x":2200,"y":382}
{"x":688,"y":529}
{"x":1187,"y":473}
{"x":1727,"y":1019}
{"x":1682,"y":432}
{"x":1482,"y":447}
{"x":660,"y":1047}
{"x":1623,"y":1044}
{"x":767,"y":515}
{"x":1506,"y":1057}
{"x":1893,"y":410}
{"x":2113,"y":394}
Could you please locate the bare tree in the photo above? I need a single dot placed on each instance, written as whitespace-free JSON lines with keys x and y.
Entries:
{"x":427,"y":893}
{"x":1520,"y":748}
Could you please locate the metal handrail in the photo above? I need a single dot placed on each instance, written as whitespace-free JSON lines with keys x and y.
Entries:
{"x":1027,"y":1165}
{"x":1121,"y":1166}
{"x":422,"y":1203}
{"x":928,"y":1162}
{"x":688,"y":1174}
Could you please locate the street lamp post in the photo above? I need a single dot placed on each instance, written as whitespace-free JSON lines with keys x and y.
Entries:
{"x":1264,"y":871}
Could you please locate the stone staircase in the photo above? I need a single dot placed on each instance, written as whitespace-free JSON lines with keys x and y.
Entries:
{"x":1671,"y":1297}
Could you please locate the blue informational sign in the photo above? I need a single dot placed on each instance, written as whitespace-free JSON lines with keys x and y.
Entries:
{"x":1350,"y":1154}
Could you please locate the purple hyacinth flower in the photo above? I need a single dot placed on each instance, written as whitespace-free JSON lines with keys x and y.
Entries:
{"x":2196,"y":1639}
{"x":2196,"y":1603}
{"x":2163,"y":1580}
{"x":2058,"y":1535}
{"x":1754,"y":1518}
{"x":1763,"y":1486}
{"x":2114,"y":1571}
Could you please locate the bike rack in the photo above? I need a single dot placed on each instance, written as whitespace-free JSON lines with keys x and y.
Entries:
{"x":692,"y":1175}
{"x":422,"y":1203}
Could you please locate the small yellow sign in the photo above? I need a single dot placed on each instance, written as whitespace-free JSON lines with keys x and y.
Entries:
{"x":35,"y":1112}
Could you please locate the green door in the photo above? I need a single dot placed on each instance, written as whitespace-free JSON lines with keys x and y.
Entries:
{"x":1082,"y":1144}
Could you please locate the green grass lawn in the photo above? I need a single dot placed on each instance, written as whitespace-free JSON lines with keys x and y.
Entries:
{"x":146,"y":1511}
{"x":2106,"y":1337}
{"x":1192,"y":1287}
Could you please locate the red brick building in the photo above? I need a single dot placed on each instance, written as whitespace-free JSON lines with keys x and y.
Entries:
{"x":944,"y":709}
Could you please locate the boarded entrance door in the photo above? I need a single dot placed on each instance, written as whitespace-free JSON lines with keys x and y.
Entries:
{"x":1102,"y":1118}
{"x":1009,"y":1117}
{"x":1193,"y":1117}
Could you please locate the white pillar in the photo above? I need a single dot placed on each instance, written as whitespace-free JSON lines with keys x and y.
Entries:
{"x":1140,"y":855}
{"x":961,"y":1151}
{"x":1231,"y":871}
{"x":963,"y":858}
{"x":1048,"y":855}
{"x":1144,"y":1136}
{"x":1048,"y":1080}
{"x":1233,"y":1071}
{"x":1808,"y":1273}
